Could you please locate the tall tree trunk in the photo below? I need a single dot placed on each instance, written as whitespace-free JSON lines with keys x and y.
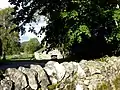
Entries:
{"x":0,"y":48}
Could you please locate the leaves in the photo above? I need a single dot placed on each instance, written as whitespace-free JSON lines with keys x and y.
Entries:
{"x":10,"y":41}
{"x":74,"y":23}
{"x":31,"y":46}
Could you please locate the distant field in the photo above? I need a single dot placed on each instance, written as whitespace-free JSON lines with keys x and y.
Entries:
{"x":20,"y":57}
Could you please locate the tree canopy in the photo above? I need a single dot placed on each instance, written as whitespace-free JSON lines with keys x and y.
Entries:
{"x":30,"y":46}
{"x":89,"y":28}
{"x":9,"y":41}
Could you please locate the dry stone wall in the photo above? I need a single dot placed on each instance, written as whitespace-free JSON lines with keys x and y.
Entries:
{"x":85,"y":75}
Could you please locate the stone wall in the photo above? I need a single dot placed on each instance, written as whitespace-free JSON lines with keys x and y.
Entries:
{"x":85,"y":75}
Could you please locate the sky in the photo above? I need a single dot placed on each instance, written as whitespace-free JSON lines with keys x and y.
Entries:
{"x":27,"y":36}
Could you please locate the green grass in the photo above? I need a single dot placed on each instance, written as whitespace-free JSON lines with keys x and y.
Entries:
{"x":116,"y":82}
{"x":19,"y":57}
{"x":53,"y":86}
{"x":104,"y":86}
{"x":115,"y":85}
{"x":102,"y":59}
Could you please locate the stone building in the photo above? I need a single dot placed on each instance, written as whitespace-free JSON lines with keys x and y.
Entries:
{"x":43,"y":54}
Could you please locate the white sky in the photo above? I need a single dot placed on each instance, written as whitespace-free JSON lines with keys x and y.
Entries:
{"x":27,"y":36}
{"x":4,"y":4}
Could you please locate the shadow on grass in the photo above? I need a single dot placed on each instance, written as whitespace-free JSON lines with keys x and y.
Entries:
{"x":15,"y":63}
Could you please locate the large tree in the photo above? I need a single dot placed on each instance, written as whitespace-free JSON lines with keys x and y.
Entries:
{"x":31,"y":46}
{"x":87,"y":27}
{"x":10,"y":40}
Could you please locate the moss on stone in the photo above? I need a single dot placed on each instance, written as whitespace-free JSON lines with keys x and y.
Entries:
{"x":71,"y":86}
{"x":116,"y":82}
{"x":53,"y":86}
{"x":115,"y":85}
{"x":39,"y":89}
{"x":104,"y":86}
{"x":102,"y":59}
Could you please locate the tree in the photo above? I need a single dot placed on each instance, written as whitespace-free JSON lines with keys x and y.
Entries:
{"x":10,"y":41}
{"x":31,"y":46}
{"x":22,"y":46}
{"x":89,"y":28}
{"x":0,"y":48}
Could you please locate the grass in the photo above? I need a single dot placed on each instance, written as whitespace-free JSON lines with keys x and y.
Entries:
{"x":116,"y":82}
{"x":102,"y":59}
{"x":104,"y":86}
{"x":19,"y":57}
{"x":115,"y":85}
{"x":53,"y":86}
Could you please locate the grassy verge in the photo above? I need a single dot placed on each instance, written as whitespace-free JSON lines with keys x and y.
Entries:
{"x":115,"y":85}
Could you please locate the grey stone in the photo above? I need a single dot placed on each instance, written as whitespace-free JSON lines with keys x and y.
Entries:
{"x":94,"y":80}
{"x":68,"y":68}
{"x":6,"y":85}
{"x":92,"y":67}
{"x":17,"y":77}
{"x":73,"y":67}
{"x":42,"y":77}
{"x":78,"y":69}
{"x":31,"y":75}
{"x":55,"y":71}
{"x":85,"y":75}
{"x":79,"y":87}
{"x":86,"y":82}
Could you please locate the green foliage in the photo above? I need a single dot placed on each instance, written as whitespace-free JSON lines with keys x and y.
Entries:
{"x":31,"y":46}
{"x":20,"y":57}
{"x":24,"y":56}
{"x":107,"y":85}
{"x":39,"y":89}
{"x":102,"y":59}
{"x":52,"y":87}
{"x":116,"y":82}
{"x":0,"y":48}
{"x":104,"y":86}
{"x":10,"y":41}
{"x":88,"y":24}
{"x":23,"y":46}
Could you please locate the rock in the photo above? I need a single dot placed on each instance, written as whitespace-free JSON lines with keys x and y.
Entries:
{"x":31,"y":75}
{"x":73,"y":67}
{"x":94,"y":80}
{"x":74,"y":73}
{"x":42,"y":77}
{"x":68,"y":68}
{"x":92,"y":67}
{"x":17,"y":77}
{"x":79,"y":87}
{"x":55,"y":71}
{"x":85,"y":75}
{"x":86,"y":82}
{"x":29,"y":88}
{"x":78,"y":69}
{"x":6,"y":85}
{"x":114,"y":62}
{"x":83,"y":61}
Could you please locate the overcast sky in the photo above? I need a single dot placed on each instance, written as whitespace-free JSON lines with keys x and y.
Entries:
{"x":4,"y":3}
{"x":27,"y":36}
